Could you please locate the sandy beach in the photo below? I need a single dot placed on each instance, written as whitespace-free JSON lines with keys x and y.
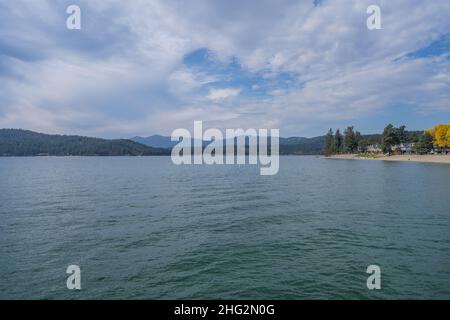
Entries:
{"x":429,"y":158}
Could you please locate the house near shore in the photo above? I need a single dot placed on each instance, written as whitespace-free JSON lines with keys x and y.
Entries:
{"x":374,"y":148}
{"x":404,"y":148}
{"x":440,"y":150}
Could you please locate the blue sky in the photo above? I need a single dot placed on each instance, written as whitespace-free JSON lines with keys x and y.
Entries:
{"x":146,"y":67}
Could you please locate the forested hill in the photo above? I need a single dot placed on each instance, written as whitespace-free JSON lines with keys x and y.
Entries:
{"x":301,"y":146}
{"x":291,"y":146}
{"x":17,"y":142}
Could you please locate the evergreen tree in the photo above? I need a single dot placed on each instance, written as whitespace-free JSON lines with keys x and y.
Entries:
{"x":363,"y":144}
{"x":424,"y":145}
{"x":350,"y":140}
{"x":337,"y":142}
{"x":328,"y":143}
{"x":389,"y":138}
{"x":402,"y":135}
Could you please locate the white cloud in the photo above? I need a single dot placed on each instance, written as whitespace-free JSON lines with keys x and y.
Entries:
{"x":218,"y":95}
{"x":184,"y":81}
{"x":125,"y":68}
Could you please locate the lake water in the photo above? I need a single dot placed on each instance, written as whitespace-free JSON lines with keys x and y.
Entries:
{"x":143,"y":228}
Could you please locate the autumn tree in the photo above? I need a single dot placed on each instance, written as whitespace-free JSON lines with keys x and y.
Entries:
{"x":441,"y":135}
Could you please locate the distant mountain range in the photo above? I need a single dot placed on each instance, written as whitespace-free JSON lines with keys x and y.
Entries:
{"x":155,"y":141}
{"x":17,"y":142}
{"x":293,"y":145}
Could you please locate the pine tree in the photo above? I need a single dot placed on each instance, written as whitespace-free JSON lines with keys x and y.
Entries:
{"x":328,"y":143}
{"x":389,"y":138}
{"x":350,"y":140}
{"x":362,"y":145}
{"x":337,"y":142}
{"x":424,"y":145}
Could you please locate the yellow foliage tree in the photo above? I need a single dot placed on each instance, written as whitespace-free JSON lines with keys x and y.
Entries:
{"x":441,"y":135}
{"x":448,"y":135}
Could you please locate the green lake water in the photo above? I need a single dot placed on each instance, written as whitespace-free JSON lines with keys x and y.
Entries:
{"x":143,"y":228}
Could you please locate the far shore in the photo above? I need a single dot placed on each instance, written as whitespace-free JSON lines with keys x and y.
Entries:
{"x":427,"y":158}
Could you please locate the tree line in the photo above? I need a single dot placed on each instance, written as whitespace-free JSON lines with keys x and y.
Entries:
{"x":342,"y":143}
{"x":352,"y":141}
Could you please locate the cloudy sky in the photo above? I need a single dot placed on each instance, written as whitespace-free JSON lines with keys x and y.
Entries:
{"x":143,"y":67}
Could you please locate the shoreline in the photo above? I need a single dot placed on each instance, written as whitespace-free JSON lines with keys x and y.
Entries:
{"x":428,"y":158}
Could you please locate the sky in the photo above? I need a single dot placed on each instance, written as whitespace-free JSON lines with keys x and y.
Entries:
{"x":148,"y":67}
